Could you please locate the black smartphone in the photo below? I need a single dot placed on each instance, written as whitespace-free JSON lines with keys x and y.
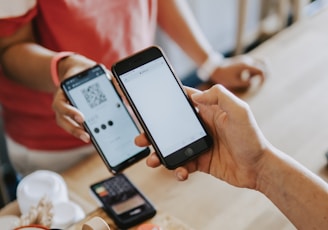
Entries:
{"x":122,"y":201}
{"x":107,"y":120}
{"x":162,"y":107}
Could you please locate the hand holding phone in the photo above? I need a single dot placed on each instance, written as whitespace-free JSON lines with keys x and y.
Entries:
{"x":164,"y":110}
{"x":107,"y":119}
{"x":122,"y":201}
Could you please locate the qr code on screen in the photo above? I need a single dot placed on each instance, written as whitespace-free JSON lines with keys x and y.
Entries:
{"x":94,"y":95}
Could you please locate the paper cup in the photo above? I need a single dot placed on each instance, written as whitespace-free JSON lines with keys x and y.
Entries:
{"x":40,"y":184}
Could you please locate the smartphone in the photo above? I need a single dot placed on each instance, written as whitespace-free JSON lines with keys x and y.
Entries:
{"x":122,"y":201}
{"x":168,"y":117}
{"x":112,"y":129}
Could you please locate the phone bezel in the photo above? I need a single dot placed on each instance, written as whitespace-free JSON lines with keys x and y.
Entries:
{"x":188,"y":152}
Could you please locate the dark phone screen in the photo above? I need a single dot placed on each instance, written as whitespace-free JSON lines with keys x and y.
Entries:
{"x":106,"y":117}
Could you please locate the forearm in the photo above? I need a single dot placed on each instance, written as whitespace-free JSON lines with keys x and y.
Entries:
{"x":177,"y":20}
{"x":297,"y":192}
{"x":29,"y":64}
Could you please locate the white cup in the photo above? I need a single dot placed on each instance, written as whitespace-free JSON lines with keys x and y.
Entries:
{"x":40,"y":184}
{"x":66,"y":214}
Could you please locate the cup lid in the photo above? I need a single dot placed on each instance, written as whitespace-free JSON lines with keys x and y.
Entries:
{"x":66,"y":214}
{"x":39,"y":184}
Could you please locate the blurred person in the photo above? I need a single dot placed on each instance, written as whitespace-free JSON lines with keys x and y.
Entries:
{"x":44,"y":42}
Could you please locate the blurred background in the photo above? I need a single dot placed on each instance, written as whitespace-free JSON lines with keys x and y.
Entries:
{"x":236,"y":26}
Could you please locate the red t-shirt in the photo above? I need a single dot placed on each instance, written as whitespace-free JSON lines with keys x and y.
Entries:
{"x":102,"y":30}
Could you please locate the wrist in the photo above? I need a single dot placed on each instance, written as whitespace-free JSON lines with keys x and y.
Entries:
{"x":54,"y":66}
{"x":208,"y":67}
{"x":270,"y":170}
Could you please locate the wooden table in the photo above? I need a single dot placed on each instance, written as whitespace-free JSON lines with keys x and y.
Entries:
{"x":292,"y":110}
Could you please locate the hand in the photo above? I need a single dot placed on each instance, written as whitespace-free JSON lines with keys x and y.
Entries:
{"x":236,"y":73}
{"x":238,"y":143}
{"x":67,"y":116}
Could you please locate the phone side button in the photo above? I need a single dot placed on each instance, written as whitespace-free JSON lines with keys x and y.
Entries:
{"x":189,"y":152}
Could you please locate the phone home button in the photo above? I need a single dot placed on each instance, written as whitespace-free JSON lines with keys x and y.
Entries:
{"x":189,"y":152}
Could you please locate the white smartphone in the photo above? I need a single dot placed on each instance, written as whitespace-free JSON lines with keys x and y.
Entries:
{"x":107,"y":119}
{"x":167,"y":115}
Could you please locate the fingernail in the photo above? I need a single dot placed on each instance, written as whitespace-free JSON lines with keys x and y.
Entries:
{"x":245,"y":75}
{"x":78,"y":119}
{"x":196,"y":96}
{"x":153,"y":156}
{"x":179,"y":176}
{"x":84,"y":138}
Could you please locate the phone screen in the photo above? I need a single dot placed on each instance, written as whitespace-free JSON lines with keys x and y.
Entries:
{"x":111,"y":127}
{"x":164,"y":108}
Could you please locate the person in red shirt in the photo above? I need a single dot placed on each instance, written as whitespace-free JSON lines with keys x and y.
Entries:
{"x":33,"y":35}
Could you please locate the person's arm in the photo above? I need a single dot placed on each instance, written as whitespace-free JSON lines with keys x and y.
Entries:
{"x":25,"y":62}
{"x":28,"y":63}
{"x":182,"y":27}
{"x":242,"y":157}
{"x":296,"y":191}
{"x":21,"y":59}
{"x":177,"y":20}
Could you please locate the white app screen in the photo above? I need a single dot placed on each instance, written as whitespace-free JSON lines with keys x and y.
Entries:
{"x":163,"y":106}
{"x":106,"y":118}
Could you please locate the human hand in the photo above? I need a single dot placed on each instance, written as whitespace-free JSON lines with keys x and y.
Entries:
{"x":238,"y":142}
{"x":237,"y":72}
{"x":67,"y":116}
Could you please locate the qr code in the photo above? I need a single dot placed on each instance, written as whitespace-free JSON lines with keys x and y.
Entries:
{"x":94,"y":95}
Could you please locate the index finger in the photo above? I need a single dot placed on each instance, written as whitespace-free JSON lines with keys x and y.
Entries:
{"x":61,"y":106}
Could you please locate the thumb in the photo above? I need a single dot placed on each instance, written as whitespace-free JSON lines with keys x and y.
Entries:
{"x":218,"y":95}
{"x":212,"y":96}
